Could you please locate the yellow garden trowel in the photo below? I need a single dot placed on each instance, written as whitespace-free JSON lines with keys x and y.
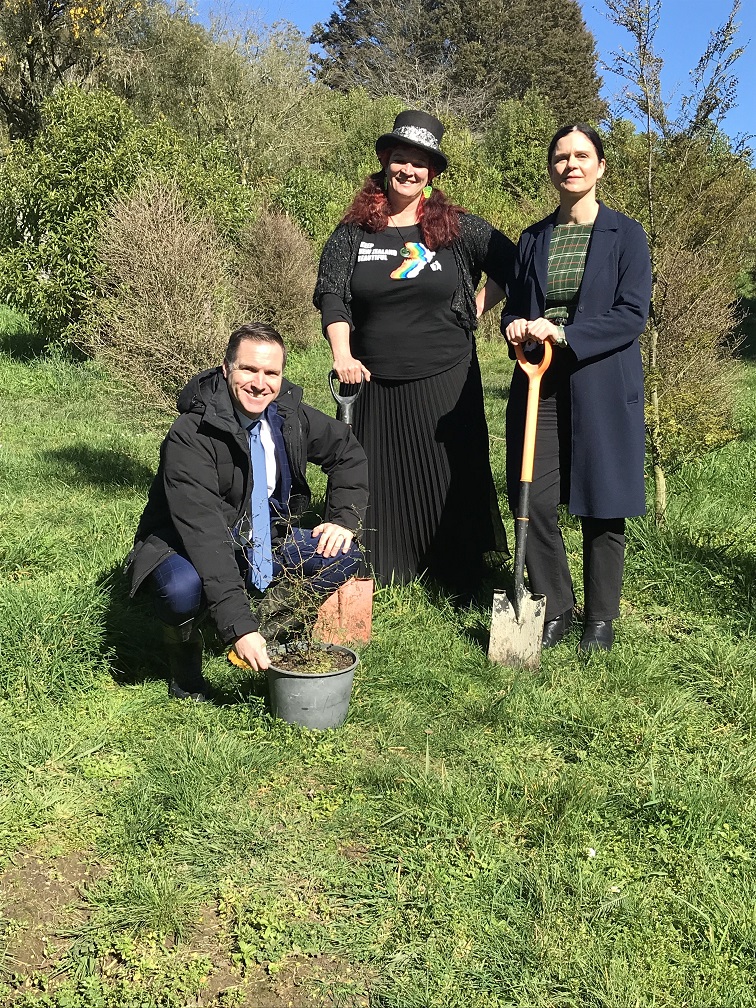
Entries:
{"x":517,"y":624}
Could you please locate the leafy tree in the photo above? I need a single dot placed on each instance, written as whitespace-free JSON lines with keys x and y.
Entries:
{"x":696,"y":196}
{"x":462,"y":56}
{"x":248,"y":88}
{"x":45,"y":44}
{"x":54,"y":193}
{"x":516,"y":142}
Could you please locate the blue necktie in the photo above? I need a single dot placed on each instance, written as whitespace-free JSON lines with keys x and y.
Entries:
{"x":262,"y":555}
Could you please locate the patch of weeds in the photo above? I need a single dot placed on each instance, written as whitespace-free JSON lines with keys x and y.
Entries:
{"x":267,"y":932}
{"x":121,"y":973}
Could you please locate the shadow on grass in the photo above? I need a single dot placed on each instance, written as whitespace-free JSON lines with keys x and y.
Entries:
{"x":21,"y":343}
{"x":497,"y":392}
{"x":133,"y":641}
{"x":747,"y":331}
{"x":83,"y":465}
{"x":720,"y":580}
{"x":475,"y":608}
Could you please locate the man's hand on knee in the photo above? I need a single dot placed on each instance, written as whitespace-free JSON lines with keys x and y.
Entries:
{"x":333,"y":539}
{"x":252,"y":649}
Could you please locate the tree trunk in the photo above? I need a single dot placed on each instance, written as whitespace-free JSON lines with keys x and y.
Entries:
{"x":660,"y":479}
{"x":660,"y":496}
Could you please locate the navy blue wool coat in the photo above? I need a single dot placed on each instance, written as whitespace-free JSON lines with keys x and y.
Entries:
{"x":606,"y":382}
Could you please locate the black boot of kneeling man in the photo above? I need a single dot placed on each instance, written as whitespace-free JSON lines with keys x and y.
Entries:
{"x":184,"y":646}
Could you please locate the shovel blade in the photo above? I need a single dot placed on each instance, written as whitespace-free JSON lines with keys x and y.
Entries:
{"x":517,"y":642}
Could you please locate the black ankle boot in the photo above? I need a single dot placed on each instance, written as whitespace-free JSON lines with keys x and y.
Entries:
{"x":184,"y":646}
{"x":555,"y":630}
{"x":598,"y":635}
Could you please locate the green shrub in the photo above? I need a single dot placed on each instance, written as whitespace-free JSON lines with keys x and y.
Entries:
{"x":54,"y":193}
{"x":51,"y":195}
{"x":473,"y":181}
{"x":318,"y":197}
{"x":316,"y":200}
{"x":516,"y":143}
{"x":357,"y":122}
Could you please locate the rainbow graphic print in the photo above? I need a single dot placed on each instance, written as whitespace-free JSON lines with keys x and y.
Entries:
{"x":418,"y":259}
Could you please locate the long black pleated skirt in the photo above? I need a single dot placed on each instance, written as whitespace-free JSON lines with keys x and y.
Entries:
{"x":433,"y":506}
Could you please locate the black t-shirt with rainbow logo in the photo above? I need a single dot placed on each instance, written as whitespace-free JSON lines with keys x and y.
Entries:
{"x":404,"y":326}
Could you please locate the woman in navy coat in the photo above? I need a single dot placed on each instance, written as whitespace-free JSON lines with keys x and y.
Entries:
{"x":582,"y":282}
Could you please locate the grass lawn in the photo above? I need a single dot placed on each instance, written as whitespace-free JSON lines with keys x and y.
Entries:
{"x":473,"y":837}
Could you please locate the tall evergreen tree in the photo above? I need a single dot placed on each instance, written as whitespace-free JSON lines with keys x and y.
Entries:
{"x":463,"y":56}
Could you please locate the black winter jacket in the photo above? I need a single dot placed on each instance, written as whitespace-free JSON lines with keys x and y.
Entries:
{"x":202,"y":488}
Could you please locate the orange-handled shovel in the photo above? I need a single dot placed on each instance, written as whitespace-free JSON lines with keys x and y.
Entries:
{"x":517,"y":626}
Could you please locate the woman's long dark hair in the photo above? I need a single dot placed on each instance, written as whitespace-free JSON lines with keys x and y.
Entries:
{"x":438,"y":218}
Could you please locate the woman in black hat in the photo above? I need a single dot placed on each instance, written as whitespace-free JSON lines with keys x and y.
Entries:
{"x":397,"y":293}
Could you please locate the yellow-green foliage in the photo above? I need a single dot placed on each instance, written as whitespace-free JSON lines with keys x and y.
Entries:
{"x":54,"y":193}
{"x":44,"y":46}
{"x":473,"y":181}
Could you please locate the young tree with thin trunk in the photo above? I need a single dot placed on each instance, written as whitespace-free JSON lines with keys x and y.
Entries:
{"x":696,"y":195}
{"x":46,"y":44}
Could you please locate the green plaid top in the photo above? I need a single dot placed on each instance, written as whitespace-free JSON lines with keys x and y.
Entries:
{"x":567,"y":252}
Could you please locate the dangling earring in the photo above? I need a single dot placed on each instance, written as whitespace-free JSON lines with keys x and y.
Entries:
{"x":385,"y":182}
{"x":427,"y":191}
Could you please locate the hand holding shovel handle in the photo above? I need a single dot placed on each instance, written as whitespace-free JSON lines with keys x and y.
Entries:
{"x":345,"y":404}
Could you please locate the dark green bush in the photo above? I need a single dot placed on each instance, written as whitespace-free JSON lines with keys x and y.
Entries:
{"x":54,"y":193}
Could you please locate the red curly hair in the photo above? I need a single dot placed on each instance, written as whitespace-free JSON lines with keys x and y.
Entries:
{"x":438,"y":218}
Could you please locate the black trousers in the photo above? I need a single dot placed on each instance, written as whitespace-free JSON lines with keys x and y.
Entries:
{"x":545,"y":556}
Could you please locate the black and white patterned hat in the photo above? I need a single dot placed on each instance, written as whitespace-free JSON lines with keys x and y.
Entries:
{"x":418,"y":129}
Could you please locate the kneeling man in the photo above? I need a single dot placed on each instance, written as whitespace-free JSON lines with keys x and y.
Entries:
{"x":221,"y":519}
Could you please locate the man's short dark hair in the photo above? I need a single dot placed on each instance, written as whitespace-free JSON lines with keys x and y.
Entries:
{"x":257,"y":332}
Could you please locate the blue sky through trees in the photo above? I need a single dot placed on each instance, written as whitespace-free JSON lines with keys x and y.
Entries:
{"x":682,"y":38}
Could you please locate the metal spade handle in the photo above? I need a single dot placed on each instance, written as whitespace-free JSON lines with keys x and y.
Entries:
{"x":345,"y":404}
